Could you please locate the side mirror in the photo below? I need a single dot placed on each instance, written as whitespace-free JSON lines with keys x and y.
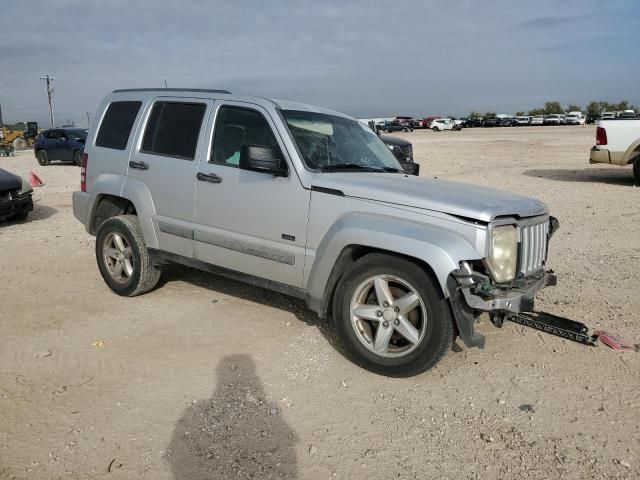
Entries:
{"x":258,"y":158}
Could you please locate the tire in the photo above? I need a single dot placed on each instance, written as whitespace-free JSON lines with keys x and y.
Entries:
{"x":42,"y":157}
{"x":359,"y":335}
{"x":386,"y":130}
{"x":77,"y":157}
{"x":21,"y":215}
{"x":20,"y":143}
{"x":636,"y":169}
{"x":435,"y":129}
{"x":135,"y":275}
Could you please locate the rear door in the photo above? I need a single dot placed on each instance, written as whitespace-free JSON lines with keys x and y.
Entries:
{"x":164,"y":159}
{"x":65,"y":149}
{"x":52,"y":144}
{"x":251,"y":222}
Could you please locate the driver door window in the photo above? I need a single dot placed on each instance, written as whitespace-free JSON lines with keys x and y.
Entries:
{"x":236,"y":127}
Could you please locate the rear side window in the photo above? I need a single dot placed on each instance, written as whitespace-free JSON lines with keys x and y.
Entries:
{"x":173,"y":129}
{"x":52,"y":135}
{"x":116,"y":125}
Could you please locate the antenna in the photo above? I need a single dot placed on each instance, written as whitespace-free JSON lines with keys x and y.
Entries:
{"x":49,"y":79}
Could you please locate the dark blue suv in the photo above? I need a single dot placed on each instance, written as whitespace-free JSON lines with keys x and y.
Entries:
{"x":60,"y":144}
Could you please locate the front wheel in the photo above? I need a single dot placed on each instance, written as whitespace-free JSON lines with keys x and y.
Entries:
{"x":436,"y":129}
{"x":123,"y":258}
{"x":390,"y":316}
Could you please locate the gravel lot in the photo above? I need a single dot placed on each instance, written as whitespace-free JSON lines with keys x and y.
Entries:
{"x":207,"y":378}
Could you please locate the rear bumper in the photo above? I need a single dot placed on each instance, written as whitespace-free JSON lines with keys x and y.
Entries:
{"x":597,"y":155}
{"x":80,"y":207}
{"x":9,"y":208}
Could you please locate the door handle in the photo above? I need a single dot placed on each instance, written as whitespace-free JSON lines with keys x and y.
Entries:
{"x":138,"y":165}
{"x":206,"y":177}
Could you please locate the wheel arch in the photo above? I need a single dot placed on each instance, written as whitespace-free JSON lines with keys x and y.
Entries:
{"x":632,"y":152}
{"x":119,"y":196}
{"x":437,"y":251}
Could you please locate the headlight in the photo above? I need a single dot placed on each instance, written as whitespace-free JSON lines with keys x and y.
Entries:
{"x":503,"y":253}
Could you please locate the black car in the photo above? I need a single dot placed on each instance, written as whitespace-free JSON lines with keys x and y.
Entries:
{"x":65,"y":144}
{"x":15,"y":197}
{"x":505,"y":122}
{"x":394,"y":126}
{"x":490,"y":122}
{"x":403,"y":151}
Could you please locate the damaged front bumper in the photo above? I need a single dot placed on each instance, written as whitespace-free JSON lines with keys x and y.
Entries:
{"x":472,"y":293}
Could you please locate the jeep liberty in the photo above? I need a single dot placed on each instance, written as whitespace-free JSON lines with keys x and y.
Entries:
{"x":311,"y":203}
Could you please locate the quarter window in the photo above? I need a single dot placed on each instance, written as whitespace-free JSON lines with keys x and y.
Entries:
{"x":236,"y":127}
{"x":173,"y":129}
{"x":116,"y":125}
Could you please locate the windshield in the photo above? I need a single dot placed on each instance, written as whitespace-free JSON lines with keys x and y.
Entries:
{"x":329,"y":143}
{"x":77,"y":134}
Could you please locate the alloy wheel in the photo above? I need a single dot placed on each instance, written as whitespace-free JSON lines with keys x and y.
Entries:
{"x":388,"y":316}
{"x":118,"y":257}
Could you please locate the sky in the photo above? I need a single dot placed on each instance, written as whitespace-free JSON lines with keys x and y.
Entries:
{"x":366,"y":58}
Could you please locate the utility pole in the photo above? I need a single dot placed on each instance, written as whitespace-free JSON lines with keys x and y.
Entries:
{"x":88,"y":119}
{"x":49,"y":79}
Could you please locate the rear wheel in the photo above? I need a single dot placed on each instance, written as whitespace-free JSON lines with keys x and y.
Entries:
{"x":390,"y":316}
{"x":123,"y":258}
{"x":43,"y":160}
{"x":436,"y":129}
{"x":636,"y":169}
{"x":77,"y":157}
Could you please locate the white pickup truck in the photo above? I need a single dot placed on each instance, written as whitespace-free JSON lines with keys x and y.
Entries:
{"x":617,"y":143}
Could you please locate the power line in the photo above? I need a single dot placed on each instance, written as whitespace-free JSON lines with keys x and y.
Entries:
{"x":49,"y":79}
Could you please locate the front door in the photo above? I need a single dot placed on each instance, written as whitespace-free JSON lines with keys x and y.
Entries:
{"x":247,"y":221}
{"x":164,"y":158}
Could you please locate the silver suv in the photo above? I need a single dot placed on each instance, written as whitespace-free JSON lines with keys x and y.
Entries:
{"x":311,"y":203}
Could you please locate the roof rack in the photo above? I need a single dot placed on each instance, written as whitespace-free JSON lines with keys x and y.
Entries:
{"x":160,"y":89}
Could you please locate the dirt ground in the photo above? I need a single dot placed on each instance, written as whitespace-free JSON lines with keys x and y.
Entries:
{"x":208,"y":378}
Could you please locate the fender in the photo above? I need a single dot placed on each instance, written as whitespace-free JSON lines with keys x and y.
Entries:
{"x":137,"y":193}
{"x":441,"y":249}
{"x":627,"y":157}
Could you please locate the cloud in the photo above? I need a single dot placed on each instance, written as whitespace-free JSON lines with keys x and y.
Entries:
{"x":360,"y":57}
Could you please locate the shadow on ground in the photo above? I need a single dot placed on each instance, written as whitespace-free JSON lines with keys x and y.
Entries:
{"x":237,"y":433}
{"x":40,"y":212}
{"x":250,"y":293}
{"x":613,"y":176}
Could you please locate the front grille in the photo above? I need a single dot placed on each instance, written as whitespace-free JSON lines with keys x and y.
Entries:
{"x":533,"y":246}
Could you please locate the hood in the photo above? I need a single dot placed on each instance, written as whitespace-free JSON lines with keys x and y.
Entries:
{"x":397,"y":141}
{"x":455,"y":198}
{"x":9,"y":181}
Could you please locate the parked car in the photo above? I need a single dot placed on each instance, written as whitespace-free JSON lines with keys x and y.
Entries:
{"x":521,"y":121}
{"x":627,"y":114}
{"x":444,"y":124}
{"x":618,"y":143}
{"x":504,"y":121}
{"x":15,"y":197}
{"x":490,"y":122}
{"x":552,"y":119}
{"x":426,"y":121}
{"x":607,"y":116}
{"x":403,"y":151}
{"x":575,"y":118}
{"x":307,"y":202}
{"x":60,"y":144}
{"x":394,"y":126}
{"x":537,"y":120}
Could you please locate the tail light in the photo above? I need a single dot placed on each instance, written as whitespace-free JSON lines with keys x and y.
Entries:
{"x":83,"y":172}
{"x":601,"y":136}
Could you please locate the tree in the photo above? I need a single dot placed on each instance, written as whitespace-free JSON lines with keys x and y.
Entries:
{"x":623,"y":105}
{"x":519,"y":114}
{"x":489,"y":114}
{"x":593,"y":110}
{"x":536,"y":111}
{"x":573,"y":108}
{"x":474,"y":114}
{"x":552,"y":107}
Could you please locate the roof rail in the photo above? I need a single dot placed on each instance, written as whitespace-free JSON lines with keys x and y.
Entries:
{"x":160,"y":89}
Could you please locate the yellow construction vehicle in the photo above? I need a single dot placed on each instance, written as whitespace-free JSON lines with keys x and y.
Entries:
{"x":18,"y":139}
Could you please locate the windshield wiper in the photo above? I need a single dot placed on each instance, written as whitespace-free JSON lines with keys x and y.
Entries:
{"x":356,"y":167}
